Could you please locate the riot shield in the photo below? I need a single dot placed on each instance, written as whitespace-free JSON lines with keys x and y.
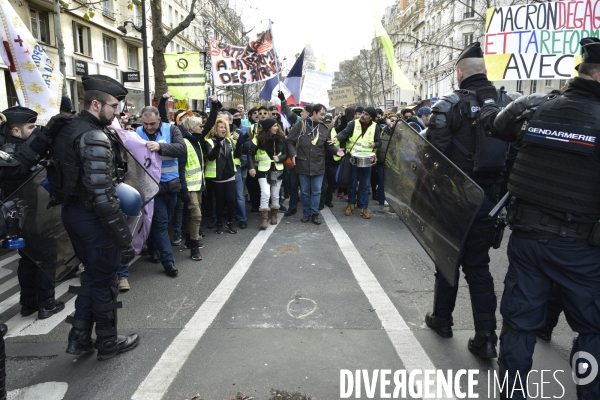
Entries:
{"x":435,"y":200}
{"x":46,"y":241}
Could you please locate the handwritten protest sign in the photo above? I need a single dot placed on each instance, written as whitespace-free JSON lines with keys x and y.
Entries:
{"x":538,"y":40}
{"x":238,"y":65}
{"x":316,"y":84}
{"x":341,"y":96}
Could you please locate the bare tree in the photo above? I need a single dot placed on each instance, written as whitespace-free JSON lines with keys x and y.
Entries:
{"x":160,"y":40}
{"x":362,"y":73}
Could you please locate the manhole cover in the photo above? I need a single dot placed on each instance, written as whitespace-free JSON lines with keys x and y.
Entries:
{"x":288,"y":249}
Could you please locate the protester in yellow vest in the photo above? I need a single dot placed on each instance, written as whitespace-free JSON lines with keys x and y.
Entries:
{"x":221,"y":169}
{"x":269,"y":150}
{"x":191,"y":194}
{"x":331,"y":165}
{"x":363,"y":135}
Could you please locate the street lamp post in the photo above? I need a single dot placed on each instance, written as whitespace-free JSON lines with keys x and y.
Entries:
{"x":143,"y":31}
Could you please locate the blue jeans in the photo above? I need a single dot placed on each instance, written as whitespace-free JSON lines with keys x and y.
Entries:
{"x":311,"y":193}
{"x":362,"y":175}
{"x":123,"y":272}
{"x":293,"y":189}
{"x":240,"y":182}
{"x":164,"y":207}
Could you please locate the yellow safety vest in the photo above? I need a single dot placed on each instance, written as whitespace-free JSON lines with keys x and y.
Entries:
{"x":210,"y":170}
{"x":363,"y":144}
{"x":193,"y":170}
{"x":264,"y":161}
{"x":333,"y":134}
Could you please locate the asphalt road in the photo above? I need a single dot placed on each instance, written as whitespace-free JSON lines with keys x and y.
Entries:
{"x":287,"y":309}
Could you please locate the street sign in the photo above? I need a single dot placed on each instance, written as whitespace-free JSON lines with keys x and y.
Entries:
{"x":340,"y":96}
{"x":81,"y":67}
{"x":130,"y":76}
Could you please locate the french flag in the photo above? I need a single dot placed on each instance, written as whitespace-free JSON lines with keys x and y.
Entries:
{"x":294,"y":80}
{"x":270,"y":92}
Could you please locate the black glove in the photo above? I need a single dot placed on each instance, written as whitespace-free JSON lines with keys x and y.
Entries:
{"x":217,"y":143}
{"x":281,"y":95}
{"x":127,"y":254}
{"x":185,"y":196}
{"x":486,"y":93}
{"x":56,"y":123}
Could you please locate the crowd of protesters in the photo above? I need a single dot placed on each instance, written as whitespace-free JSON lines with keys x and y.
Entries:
{"x":220,"y":161}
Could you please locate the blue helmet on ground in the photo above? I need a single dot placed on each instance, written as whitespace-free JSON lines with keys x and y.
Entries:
{"x":130,"y":200}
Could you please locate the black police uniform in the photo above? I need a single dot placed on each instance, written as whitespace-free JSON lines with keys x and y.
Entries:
{"x":37,"y":286}
{"x":554,"y":214}
{"x":86,"y":159}
{"x":454,"y":129}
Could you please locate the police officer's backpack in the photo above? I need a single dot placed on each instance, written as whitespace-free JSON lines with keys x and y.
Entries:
{"x":490,"y":154}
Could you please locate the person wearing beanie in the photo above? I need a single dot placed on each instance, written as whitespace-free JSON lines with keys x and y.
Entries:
{"x":424,"y":113}
{"x":358,"y":112}
{"x":363,"y":135}
{"x":269,"y":150}
{"x":66,"y":106}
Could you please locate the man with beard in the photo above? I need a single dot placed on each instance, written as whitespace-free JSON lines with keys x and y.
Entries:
{"x":87,"y":161}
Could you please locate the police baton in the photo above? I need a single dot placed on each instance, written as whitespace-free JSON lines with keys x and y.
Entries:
{"x":498,"y":206}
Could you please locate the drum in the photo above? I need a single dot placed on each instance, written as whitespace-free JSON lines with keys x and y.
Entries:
{"x":363,"y":159}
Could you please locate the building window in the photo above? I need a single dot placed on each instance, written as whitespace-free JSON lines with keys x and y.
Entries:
{"x":548,"y":82}
{"x":562,"y":83}
{"x":470,"y":9}
{"x":107,"y":8}
{"x":520,"y":87}
{"x":132,"y":58}
{"x":82,"y":39}
{"x":467,"y":39}
{"x":110,"y":49}
{"x":40,"y":26}
{"x":450,"y":56}
{"x":136,"y":14}
{"x":11,"y":93}
{"x":533,"y":87}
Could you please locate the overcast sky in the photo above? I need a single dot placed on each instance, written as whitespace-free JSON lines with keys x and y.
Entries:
{"x":336,"y":29}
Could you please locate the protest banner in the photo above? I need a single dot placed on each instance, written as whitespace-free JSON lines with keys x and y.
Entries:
{"x":316,"y":84}
{"x":341,"y":96}
{"x":238,"y":65}
{"x":538,"y":40}
{"x":37,"y":80}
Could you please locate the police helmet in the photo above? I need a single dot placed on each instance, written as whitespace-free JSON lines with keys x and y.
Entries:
{"x":130,"y":200}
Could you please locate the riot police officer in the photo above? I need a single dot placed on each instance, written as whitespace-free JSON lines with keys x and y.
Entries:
{"x":37,"y":286}
{"x":87,"y":163}
{"x":553,"y":212}
{"x":455,"y":130}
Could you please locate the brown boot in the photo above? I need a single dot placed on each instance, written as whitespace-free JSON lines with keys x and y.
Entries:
{"x":264,"y":216}
{"x":274,"y":212}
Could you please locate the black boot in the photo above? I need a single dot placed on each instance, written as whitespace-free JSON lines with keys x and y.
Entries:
{"x":28,"y":306}
{"x":110,"y":346}
{"x":484,"y":344}
{"x":49,"y":307}
{"x":195,"y":252}
{"x":441,"y":326}
{"x":80,"y":336}
{"x":545,"y":333}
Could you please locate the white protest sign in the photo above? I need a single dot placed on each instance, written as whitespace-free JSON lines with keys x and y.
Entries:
{"x":341,"y":96}
{"x":315,"y":87}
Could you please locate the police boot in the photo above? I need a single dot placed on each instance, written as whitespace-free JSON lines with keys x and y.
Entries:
{"x":109,"y":344}
{"x":484,"y":344}
{"x":28,"y":306}
{"x":49,"y":307}
{"x":80,"y":336}
{"x":442,"y":326}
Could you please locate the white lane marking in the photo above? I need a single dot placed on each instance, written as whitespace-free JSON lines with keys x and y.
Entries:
{"x":59,"y":291}
{"x":409,"y":349}
{"x":9,"y":284}
{"x":156,"y":384}
{"x":8,"y":260}
{"x":46,"y":391}
{"x":24,"y":326}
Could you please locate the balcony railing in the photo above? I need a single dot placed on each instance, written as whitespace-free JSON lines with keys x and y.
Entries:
{"x":469,"y":14}
{"x":107,"y":12}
